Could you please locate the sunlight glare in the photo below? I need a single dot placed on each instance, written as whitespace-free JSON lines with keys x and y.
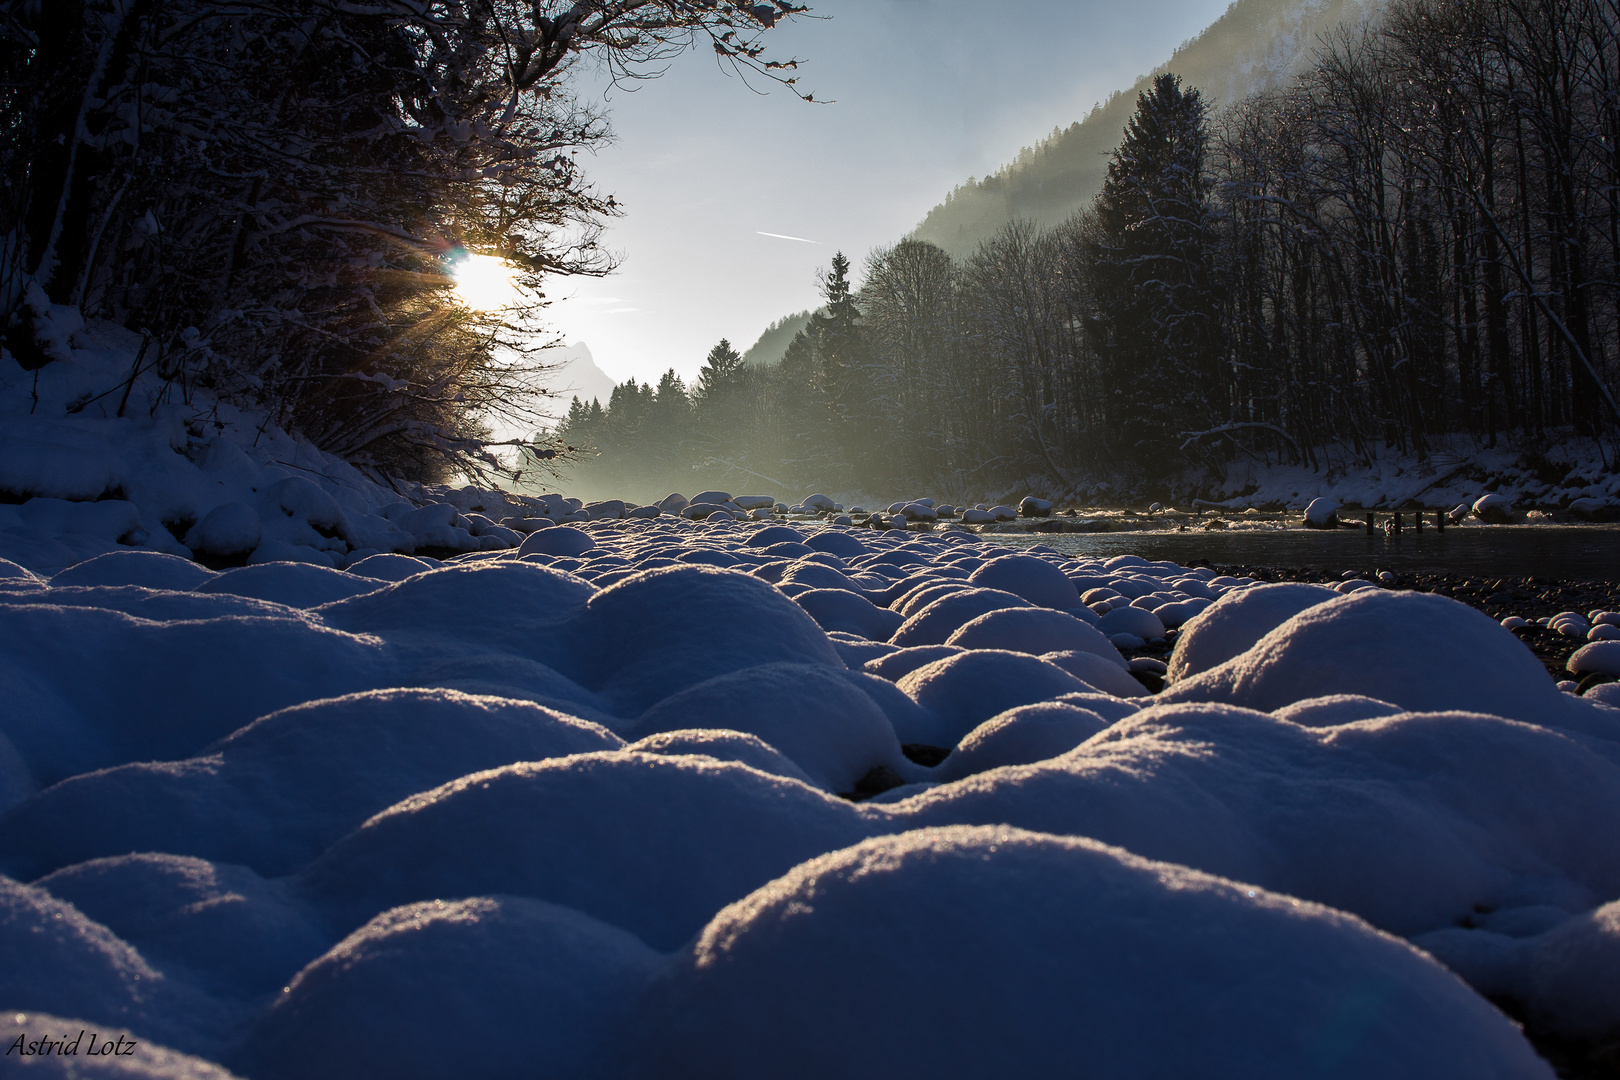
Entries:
{"x":485,"y":283}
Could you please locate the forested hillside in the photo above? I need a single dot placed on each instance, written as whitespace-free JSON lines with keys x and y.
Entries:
{"x":1411,"y":242}
{"x":1256,"y":45}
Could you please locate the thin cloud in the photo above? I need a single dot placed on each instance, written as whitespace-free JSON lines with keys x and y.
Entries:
{"x":800,"y":239}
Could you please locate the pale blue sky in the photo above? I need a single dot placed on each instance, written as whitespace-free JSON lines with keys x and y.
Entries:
{"x":926,"y":94}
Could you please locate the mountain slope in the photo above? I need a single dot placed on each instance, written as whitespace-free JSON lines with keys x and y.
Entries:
{"x":1254,"y":46}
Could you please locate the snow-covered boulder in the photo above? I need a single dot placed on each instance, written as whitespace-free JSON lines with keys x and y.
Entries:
{"x":1079,"y":957}
{"x":1033,"y":507}
{"x":1236,"y":621}
{"x":967,"y":688}
{"x":1494,"y":509}
{"x":1036,"y":580}
{"x":1322,"y":514}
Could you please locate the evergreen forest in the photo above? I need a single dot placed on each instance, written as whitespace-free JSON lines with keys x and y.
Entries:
{"x":1413,"y":244}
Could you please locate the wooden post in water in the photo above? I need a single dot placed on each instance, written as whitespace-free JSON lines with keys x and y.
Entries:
{"x":1369,"y":523}
{"x":1397,"y":524}
{"x":1440,"y":520}
{"x":1417,"y":520}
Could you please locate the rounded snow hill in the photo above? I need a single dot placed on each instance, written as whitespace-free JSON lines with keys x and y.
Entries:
{"x":1035,"y":631}
{"x":240,"y":934}
{"x":811,"y":713}
{"x":1021,"y":736}
{"x":150,"y":569}
{"x":968,"y":688}
{"x":642,"y":639}
{"x":498,"y":604}
{"x":298,"y":585}
{"x":560,"y":540}
{"x":1036,"y":580}
{"x":840,"y":609}
{"x":1236,"y":621}
{"x":722,"y":745}
{"x":649,"y":843}
{"x":935,"y":623}
{"x":146,"y":1060}
{"x":277,"y":792}
{"x":497,"y":987}
{"x":1412,"y":822}
{"x":1419,"y":651}
{"x":1027,"y":955}
{"x":161,"y":690}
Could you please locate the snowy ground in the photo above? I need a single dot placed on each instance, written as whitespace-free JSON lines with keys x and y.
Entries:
{"x":648,"y":797}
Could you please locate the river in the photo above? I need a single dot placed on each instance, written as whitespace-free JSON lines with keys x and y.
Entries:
{"x":1572,"y":552}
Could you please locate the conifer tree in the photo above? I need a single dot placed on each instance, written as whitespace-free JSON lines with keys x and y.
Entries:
{"x":1157,"y":318}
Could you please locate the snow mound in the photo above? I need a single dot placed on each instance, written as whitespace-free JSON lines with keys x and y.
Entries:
{"x":649,"y":843}
{"x":498,"y":987}
{"x":241,"y":934}
{"x":969,"y":688}
{"x":1021,"y":736}
{"x":1077,"y":957}
{"x":935,"y":623}
{"x":161,"y":690}
{"x":276,"y":793}
{"x":1236,"y":621}
{"x":1412,"y":822}
{"x":1419,"y":651}
{"x":838,"y":609}
{"x":659,"y":632}
{"x":1035,"y":631}
{"x":299,"y":585}
{"x":150,"y":569}
{"x":810,"y":713}
{"x":1034,"y":579}
{"x":723,"y":744}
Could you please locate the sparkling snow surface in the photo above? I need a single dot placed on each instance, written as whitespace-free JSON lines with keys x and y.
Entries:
{"x":582,"y":809}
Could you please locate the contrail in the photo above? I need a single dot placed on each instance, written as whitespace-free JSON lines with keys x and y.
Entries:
{"x":800,"y":239}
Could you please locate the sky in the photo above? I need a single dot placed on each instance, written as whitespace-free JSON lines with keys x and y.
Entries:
{"x":924,"y":94}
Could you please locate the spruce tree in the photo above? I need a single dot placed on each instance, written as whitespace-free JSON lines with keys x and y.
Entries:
{"x":1157,"y":324}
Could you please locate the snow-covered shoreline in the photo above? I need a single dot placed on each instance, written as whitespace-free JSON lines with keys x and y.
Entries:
{"x":708,"y":792}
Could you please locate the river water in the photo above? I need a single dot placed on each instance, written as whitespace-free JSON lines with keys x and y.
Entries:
{"x":1574,"y":552}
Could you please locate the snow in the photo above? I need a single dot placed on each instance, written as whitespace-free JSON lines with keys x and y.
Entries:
{"x":330,"y":806}
{"x":1046,"y":937}
{"x":379,"y":1004}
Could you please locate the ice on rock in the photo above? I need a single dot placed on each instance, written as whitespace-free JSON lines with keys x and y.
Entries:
{"x":1412,"y":822}
{"x":642,"y":639}
{"x":149,"y":569}
{"x":145,"y":1060}
{"x":162,"y":690}
{"x":649,"y":843}
{"x":273,"y":795}
{"x":238,"y":933}
{"x":1418,"y":651}
{"x":298,"y":585}
{"x":498,"y":987}
{"x":723,"y":745}
{"x":1029,"y":955}
{"x":1021,"y":736}
{"x":811,"y":713}
{"x":1236,"y":621}
{"x":1034,"y":579}
{"x":1036,"y":631}
{"x":840,"y":609}
{"x":940,"y":618}
{"x":969,"y":688}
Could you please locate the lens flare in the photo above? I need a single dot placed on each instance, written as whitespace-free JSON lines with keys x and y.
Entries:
{"x":484,"y":282}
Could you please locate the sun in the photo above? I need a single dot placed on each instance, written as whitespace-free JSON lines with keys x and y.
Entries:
{"x":484,"y":282}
